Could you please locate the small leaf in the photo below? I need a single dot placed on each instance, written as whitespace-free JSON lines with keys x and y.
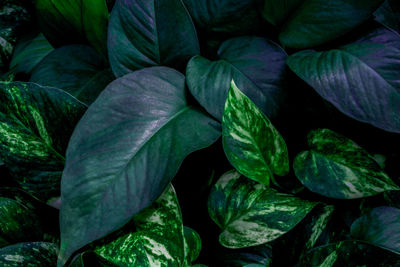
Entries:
{"x":251,"y":143}
{"x":29,"y":254}
{"x":252,"y":256}
{"x":380,"y":226}
{"x":337,"y":167}
{"x":150,"y":33}
{"x":125,"y":151}
{"x":250,"y":213}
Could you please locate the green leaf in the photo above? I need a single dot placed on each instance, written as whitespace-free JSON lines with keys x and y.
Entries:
{"x":388,"y":14}
{"x":77,"y":69}
{"x":158,"y":239}
{"x":251,"y":143}
{"x":150,"y":33}
{"x":28,"y":52}
{"x":192,"y":244}
{"x":380,"y":226}
{"x":74,"y":22}
{"x":124,"y":152}
{"x":337,"y":167}
{"x":250,"y":213}
{"x":277,"y":11}
{"x":35,"y":125}
{"x":349,"y":253}
{"x":29,"y":254}
{"x":360,"y":79}
{"x":258,"y":67}
{"x":252,"y":256}
{"x":315,"y":22}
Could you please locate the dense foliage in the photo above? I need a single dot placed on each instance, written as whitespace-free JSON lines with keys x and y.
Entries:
{"x":193,"y":133}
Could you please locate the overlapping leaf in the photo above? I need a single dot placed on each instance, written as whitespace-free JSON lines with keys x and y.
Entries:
{"x":29,"y":254}
{"x":125,"y":151}
{"x":388,"y":14}
{"x":337,"y":167}
{"x":250,"y":213}
{"x":150,"y":33}
{"x":250,"y":141}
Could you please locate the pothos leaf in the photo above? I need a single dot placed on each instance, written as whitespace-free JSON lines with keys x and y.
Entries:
{"x":380,"y":226}
{"x":252,"y":256}
{"x":35,"y":125}
{"x":250,"y":213}
{"x":251,"y":143}
{"x":124,"y":152}
{"x":192,"y":244}
{"x":29,"y":254}
{"x":150,"y":33}
{"x":337,"y":167}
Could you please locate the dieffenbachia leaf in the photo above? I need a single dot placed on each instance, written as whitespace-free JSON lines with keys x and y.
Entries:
{"x":359,"y":79}
{"x":158,"y":239}
{"x":337,"y":167}
{"x":77,"y":69}
{"x":225,"y":16}
{"x":124,"y":152}
{"x":349,"y":253}
{"x":315,"y":22}
{"x":258,"y":67}
{"x":388,"y":14}
{"x":74,"y":22}
{"x":380,"y":226}
{"x":192,"y":244}
{"x":251,"y":213}
{"x":150,"y":33}
{"x":35,"y":125}
{"x":29,"y":254}
{"x":251,"y":143}
{"x":29,"y":52}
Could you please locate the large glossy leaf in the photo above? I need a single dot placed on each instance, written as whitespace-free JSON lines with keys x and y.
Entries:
{"x":250,"y":213}
{"x":29,"y":52}
{"x":251,"y":143}
{"x":150,"y":33}
{"x":77,"y":69}
{"x":157,"y":241}
{"x":349,"y":253}
{"x":256,"y":64}
{"x":337,"y":167}
{"x":224,"y":16}
{"x":380,"y":226}
{"x":388,"y":14}
{"x":29,"y":254}
{"x":360,"y":79}
{"x":124,"y":152}
{"x":74,"y":22}
{"x":316,"y":22}
{"x":35,"y":125}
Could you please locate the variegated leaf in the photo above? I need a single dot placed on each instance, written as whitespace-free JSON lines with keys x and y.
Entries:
{"x":192,"y":244}
{"x":251,"y":143}
{"x":250,"y":213}
{"x":337,"y":167}
{"x":30,"y":254}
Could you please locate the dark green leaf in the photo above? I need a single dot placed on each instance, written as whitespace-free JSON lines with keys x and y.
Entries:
{"x":74,"y":22}
{"x":349,"y":253}
{"x":150,"y":33}
{"x":380,"y":226}
{"x":77,"y":69}
{"x":35,"y":125}
{"x":337,"y":167}
{"x":277,"y":11}
{"x":257,"y":65}
{"x":316,"y":22}
{"x":124,"y":152}
{"x":388,"y":14}
{"x":360,"y":79}
{"x":250,"y":213}
{"x":29,"y":254}
{"x":192,"y":244}
{"x":251,"y":143}
{"x":251,"y":256}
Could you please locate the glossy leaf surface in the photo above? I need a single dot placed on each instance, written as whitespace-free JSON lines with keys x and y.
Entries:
{"x":29,"y":254}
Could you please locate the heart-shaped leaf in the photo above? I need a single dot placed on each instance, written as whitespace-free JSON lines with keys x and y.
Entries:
{"x":360,"y":79}
{"x":250,"y":213}
{"x":74,"y":22}
{"x":77,"y":69}
{"x":257,"y":65}
{"x":316,"y":22}
{"x":150,"y":33}
{"x":35,"y":125}
{"x":251,"y":143}
{"x":29,"y":254}
{"x":388,"y":14}
{"x":380,"y":226}
{"x":124,"y":152}
{"x":337,"y":167}
{"x":192,"y":244}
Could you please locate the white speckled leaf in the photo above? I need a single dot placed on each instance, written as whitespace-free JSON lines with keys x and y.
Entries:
{"x":30,"y":254}
{"x":250,"y":213}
